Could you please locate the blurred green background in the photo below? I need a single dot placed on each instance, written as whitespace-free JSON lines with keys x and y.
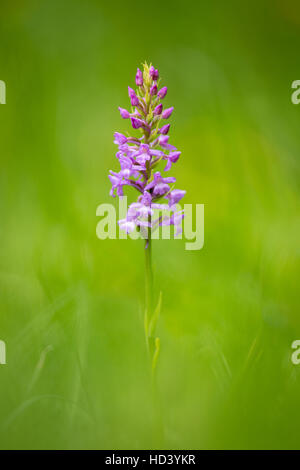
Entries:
{"x":77,"y":374}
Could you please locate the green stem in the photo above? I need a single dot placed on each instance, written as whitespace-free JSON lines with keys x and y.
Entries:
{"x":148,"y":285}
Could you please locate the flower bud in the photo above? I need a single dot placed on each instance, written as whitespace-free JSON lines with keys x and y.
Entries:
{"x":136,"y":123}
{"x":158,"y":110}
{"x":119,"y":138}
{"x":167,"y":113}
{"x":124,"y":113}
{"x":139,"y":78}
{"x":134,"y":100}
{"x":164,"y":129}
{"x":162,"y":92}
{"x":153,"y":73}
{"x":153,"y":90}
{"x":130,"y":92}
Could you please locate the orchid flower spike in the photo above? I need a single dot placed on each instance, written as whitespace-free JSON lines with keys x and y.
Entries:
{"x":140,"y":156}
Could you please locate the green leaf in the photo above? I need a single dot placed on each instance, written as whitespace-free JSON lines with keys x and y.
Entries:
{"x":156,"y":354}
{"x":155,"y":317}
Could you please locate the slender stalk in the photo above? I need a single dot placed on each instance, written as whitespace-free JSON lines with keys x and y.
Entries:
{"x":148,"y":284}
{"x":152,"y":343}
{"x":148,"y":249}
